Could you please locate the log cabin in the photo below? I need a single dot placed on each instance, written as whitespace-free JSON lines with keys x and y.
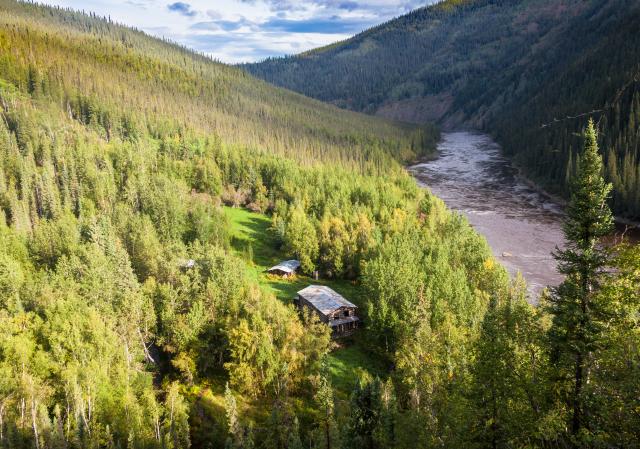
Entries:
{"x":331,"y":307}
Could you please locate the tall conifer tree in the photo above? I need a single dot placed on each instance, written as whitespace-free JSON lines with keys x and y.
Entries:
{"x":578,"y":317}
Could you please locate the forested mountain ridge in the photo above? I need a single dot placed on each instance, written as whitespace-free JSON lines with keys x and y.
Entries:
{"x":510,"y":67}
{"x":145,"y":190}
{"x":87,"y":57}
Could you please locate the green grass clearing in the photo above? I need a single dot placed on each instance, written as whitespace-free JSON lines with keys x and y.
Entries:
{"x":251,"y":230}
{"x":250,"y":234}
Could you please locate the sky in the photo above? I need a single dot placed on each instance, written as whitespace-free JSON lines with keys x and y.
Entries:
{"x":235,"y":31}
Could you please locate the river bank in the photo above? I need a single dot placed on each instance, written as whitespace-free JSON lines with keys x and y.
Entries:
{"x":630,"y":229}
{"x":521,"y":221}
{"x":522,"y":225}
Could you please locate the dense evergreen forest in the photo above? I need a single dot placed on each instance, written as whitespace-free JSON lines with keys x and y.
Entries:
{"x":144,"y":188}
{"x":530,"y":72}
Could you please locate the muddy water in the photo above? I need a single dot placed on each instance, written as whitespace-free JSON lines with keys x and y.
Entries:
{"x":522,"y":226}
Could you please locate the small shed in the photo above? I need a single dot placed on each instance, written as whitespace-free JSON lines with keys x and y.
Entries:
{"x":331,"y":307}
{"x":187,"y":264}
{"x":285,"y":268}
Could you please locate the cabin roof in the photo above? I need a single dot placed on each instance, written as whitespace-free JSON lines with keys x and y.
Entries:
{"x":286,"y":266}
{"x":324,"y":299}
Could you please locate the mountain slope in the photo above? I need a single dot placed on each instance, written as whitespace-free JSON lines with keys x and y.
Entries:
{"x":79,"y":59}
{"x":504,"y":66}
{"x":134,"y":311}
{"x":134,"y":308}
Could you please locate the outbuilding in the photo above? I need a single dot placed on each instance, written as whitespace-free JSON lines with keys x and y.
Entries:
{"x":331,"y":307}
{"x":285,"y":268}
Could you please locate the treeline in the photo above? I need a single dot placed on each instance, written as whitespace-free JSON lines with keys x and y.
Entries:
{"x":529,"y":72}
{"x":432,"y":50}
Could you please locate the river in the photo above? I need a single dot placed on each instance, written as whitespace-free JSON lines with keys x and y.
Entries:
{"x":521,"y":225}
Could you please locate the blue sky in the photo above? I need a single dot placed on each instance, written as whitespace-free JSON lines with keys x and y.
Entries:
{"x":248,"y":30}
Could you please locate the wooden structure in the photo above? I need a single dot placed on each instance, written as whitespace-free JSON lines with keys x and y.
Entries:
{"x":285,"y":268}
{"x":331,"y":308}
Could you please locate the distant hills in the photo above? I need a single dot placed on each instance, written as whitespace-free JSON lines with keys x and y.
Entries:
{"x":530,"y":72}
{"x":104,"y":74}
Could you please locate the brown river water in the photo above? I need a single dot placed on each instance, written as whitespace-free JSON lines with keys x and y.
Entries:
{"x":521,"y":225}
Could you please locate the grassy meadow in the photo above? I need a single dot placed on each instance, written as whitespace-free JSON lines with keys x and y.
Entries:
{"x":252,"y":239}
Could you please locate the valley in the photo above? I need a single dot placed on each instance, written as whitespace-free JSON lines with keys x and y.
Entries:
{"x":528,"y":72}
{"x":147,"y":190}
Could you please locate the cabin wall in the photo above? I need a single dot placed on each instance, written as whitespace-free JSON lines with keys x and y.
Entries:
{"x":341,"y":313}
{"x":343,"y":330}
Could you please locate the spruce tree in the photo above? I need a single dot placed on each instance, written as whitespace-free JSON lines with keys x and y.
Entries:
{"x":325,"y":403}
{"x":578,"y":316}
{"x":491,"y":378}
{"x":234,"y":438}
{"x":294,"y":441}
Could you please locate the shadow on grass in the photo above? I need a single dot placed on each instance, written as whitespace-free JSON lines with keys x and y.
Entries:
{"x":254,"y":230}
{"x":286,"y":290}
{"x":352,"y":361}
{"x":207,"y":418}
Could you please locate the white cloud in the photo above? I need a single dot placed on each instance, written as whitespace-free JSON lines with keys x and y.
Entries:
{"x":248,"y":30}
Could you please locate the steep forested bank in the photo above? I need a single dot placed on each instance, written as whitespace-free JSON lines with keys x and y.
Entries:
{"x":531,"y":72}
{"x":143,"y":190}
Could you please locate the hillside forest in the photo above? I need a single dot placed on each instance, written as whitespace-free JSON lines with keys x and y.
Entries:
{"x":144,"y":189}
{"x":529,"y":72}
